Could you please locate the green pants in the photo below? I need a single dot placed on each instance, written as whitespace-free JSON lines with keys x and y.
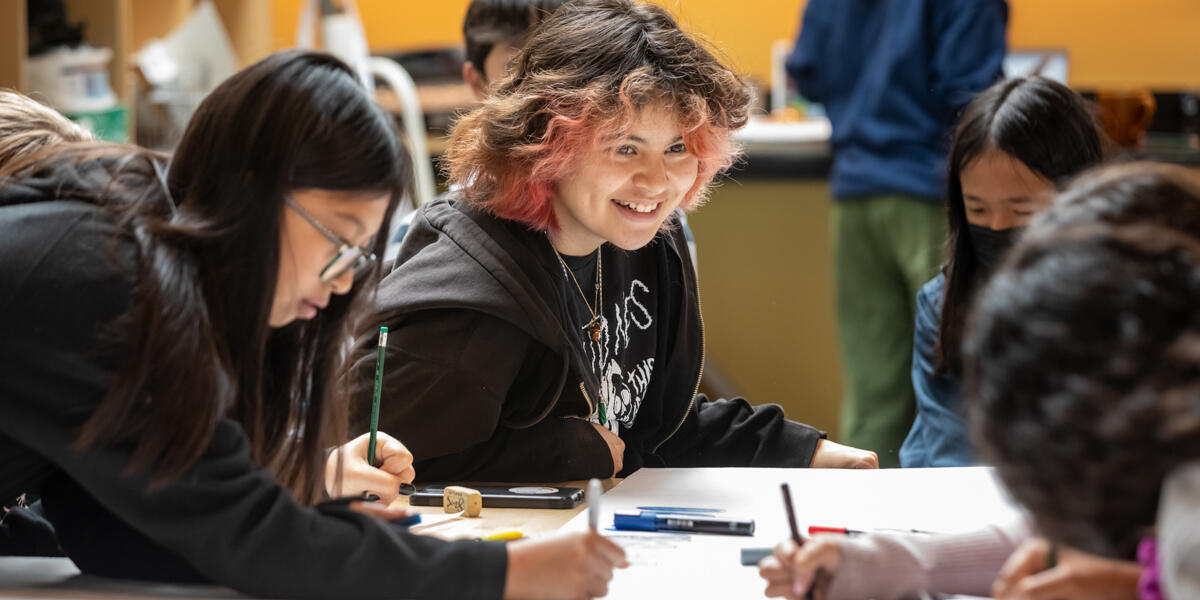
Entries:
{"x":885,"y":248}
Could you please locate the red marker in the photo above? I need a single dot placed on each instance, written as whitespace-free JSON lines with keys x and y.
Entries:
{"x":815,"y":529}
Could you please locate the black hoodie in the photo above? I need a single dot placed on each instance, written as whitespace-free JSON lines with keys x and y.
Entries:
{"x":66,"y":271}
{"x":484,"y":383}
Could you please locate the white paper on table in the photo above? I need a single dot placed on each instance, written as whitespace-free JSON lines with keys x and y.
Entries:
{"x":708,"y":566}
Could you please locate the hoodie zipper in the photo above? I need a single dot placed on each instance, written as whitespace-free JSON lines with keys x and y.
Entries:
{"x":586,"y":398}
{"x":699,"y":376}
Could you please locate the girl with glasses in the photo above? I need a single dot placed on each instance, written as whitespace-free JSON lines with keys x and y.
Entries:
{"x":174,"y":335}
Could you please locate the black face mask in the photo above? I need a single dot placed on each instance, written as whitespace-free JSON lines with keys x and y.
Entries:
{"x":991,"y":244}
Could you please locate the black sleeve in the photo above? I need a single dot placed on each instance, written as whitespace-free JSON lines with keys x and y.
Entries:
{"x":225,"y":517}
{"x":467,"y":393}
{"x":732,"y":433}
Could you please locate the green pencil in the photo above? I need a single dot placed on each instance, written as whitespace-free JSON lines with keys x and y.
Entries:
{"x":382,"y":352}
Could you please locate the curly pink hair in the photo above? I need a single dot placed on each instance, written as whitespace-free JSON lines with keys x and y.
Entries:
{"x":583,"y":75}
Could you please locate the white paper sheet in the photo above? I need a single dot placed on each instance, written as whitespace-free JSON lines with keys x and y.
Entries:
{"x":708,"y":566}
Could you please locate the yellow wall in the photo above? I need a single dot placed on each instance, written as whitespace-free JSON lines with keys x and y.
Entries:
{"x":1116,"y":42}
{"x":1111,"y":42}
{"x":389,"y":23}
{"x":743,"y":35}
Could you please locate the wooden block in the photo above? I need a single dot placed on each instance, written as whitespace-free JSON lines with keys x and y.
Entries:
{"x":457,"y":498}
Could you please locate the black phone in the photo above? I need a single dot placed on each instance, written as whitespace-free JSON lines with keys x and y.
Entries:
{"x":520,"y":496}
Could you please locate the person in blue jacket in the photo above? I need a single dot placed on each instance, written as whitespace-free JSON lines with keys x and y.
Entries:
{"x":1014,"y":143}
{"x":893,"y":76}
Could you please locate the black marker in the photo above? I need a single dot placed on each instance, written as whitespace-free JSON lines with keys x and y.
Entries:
{"x":821,"y":578}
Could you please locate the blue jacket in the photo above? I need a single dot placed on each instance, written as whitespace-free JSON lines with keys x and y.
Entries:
{"x":939,"y":434}
{"x":893,"y":76}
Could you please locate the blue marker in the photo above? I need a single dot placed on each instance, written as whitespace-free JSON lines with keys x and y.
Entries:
{"x":655,"y":521}
{"x":680,"y":509}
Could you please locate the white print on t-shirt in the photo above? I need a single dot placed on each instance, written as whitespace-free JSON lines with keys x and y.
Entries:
{"x":623,"y":389}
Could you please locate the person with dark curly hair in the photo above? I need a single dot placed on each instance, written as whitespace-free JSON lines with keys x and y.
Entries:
{"x":545,"y":324}
{"x":1005,"y":560}
{"x":1083,"y":362}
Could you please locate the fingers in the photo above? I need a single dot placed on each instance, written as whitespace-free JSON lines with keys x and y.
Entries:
{"x":601,"y":570}
{"x":790,"y":571}
{"x":820,"y":554}
{"x":1077,"y":576}
{"x":777,"y":575}
{"x":391,"y":455}
{"x":399,"y":467}
{"x":616,"y":447}
{"x":869,"y":460}
{"x":362,"y":478}
{"x":783,"y":552}
{"x":1054,"y":584}
{"x":772,"y":570}
{"x":597,"y":585}
{"x":780,"y":590}
{"x":603,"y":556}
{"x":831,"y":455}
{"x":1026,"y":560}
{"x":395,"y":467}
{"x":613,"y":554}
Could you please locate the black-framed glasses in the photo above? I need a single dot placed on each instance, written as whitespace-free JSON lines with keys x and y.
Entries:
{"x":349,"y":257}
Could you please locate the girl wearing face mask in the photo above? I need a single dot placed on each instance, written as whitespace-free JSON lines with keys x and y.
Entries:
{"x":173,"y":338}
{"x":1013,"y":144}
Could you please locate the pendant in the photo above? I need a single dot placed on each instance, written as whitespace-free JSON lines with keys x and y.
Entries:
{"x":596,"y":326}
{"x":594,"y":329}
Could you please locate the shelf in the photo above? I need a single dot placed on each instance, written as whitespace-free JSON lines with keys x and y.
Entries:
{"x":124,"y":26}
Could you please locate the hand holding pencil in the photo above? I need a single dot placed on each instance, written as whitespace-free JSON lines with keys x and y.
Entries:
{"x":375,"y":462}
{"x":395,"y":468}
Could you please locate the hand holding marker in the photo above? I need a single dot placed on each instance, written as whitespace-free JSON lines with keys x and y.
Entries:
{"x":821,"y":579}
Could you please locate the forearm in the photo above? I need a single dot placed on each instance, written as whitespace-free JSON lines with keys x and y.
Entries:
{"x":732,"y":433}
{"x":224,"y":514}
{"x":896,"y":566}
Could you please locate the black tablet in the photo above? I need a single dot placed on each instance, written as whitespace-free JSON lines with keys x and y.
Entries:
{"x":521,"y":496}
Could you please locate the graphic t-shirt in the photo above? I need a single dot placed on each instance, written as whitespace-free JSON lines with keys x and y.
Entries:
{"x":623,"y":358}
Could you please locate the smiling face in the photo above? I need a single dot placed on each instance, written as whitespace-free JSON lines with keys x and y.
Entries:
{"x":1000,"y":192}
{"x":304,"y":251}
{"x":622,"y":190}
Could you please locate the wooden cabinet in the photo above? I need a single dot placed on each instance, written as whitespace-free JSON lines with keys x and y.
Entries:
{"x":124,"y":26}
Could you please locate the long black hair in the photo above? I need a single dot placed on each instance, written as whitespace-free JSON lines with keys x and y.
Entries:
{"x":1038,"y":121}
{"x":208,"y":233}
